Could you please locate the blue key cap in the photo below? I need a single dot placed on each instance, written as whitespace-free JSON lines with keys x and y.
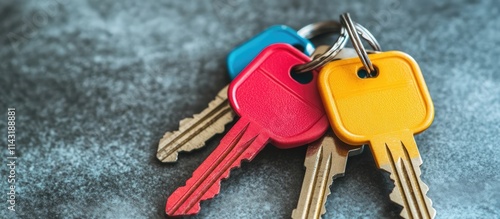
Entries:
{"x":240,"y":56}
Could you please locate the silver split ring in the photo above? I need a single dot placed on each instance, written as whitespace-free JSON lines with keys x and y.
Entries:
{"x":313,"y":30}
{"x":354,"y":32}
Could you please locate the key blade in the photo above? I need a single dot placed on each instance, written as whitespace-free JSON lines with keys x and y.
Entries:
{"x":402,"y":160}
{"x":194,"y":132}
{"x":325,"y":161}
{"x":242,"y":142}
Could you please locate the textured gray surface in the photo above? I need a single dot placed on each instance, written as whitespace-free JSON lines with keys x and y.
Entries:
{"x":97,"y":83}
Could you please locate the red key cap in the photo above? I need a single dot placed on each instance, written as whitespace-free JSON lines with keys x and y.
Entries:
{"x":273,"y":108}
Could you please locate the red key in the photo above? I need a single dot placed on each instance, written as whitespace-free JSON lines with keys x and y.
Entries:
{"x":273,"y":108}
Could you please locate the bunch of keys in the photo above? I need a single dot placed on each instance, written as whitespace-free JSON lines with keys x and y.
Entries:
{"x":273,"y":108}
{"x":213,"y":119}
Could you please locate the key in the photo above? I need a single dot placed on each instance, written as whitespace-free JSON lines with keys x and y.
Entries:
{"x":325,"y":161}
{"x":195,"y":131}
{"x":273,"y":108}
{"x":384,"y":111}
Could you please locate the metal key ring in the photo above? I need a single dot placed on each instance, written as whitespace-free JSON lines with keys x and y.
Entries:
{"x":313,"y":30}
{"x":354,"y":32}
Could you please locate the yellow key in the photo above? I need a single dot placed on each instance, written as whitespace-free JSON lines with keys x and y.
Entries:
{"x":385,"y":112}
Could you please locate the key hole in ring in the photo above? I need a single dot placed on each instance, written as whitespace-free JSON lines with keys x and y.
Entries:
{"x":299,"y":47}
{"x":363,"y":73}
{"x":303,"y":78}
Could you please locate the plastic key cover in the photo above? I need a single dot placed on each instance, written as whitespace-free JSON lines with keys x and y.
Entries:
{"x":360,"y":109}
{"x":267,"y":82}
{"x":242,"y":55}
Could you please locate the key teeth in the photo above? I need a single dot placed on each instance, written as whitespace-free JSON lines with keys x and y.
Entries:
{"x":185,"y":121}
{"x":196,"y":208}
{"x":395,"y":195}
{"x":211,"y":193}
{"x":166,"y":135}
{"x":172,"y":158}
{"x":323,"y":208}
{"x":182,"y":195}
{"x":163,"y":139}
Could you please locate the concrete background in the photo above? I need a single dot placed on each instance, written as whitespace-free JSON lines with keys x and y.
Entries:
{"x":96,"y":83}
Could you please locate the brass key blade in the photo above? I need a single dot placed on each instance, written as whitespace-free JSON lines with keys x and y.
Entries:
{"x":194,"y":132}
{"x":400,"y":157}
{"x":325,"y":160}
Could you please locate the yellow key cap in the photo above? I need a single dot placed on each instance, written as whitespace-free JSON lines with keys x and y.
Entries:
{"x":385,"y":112}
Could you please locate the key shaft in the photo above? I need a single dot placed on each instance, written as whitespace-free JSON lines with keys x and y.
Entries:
{"x":195,"y":131}
{"x":325,"y":161}
{"x":243,"y":142}
{"x":398,"y":154}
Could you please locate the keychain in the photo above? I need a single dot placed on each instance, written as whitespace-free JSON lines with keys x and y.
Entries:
{"x":381,"y":101}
